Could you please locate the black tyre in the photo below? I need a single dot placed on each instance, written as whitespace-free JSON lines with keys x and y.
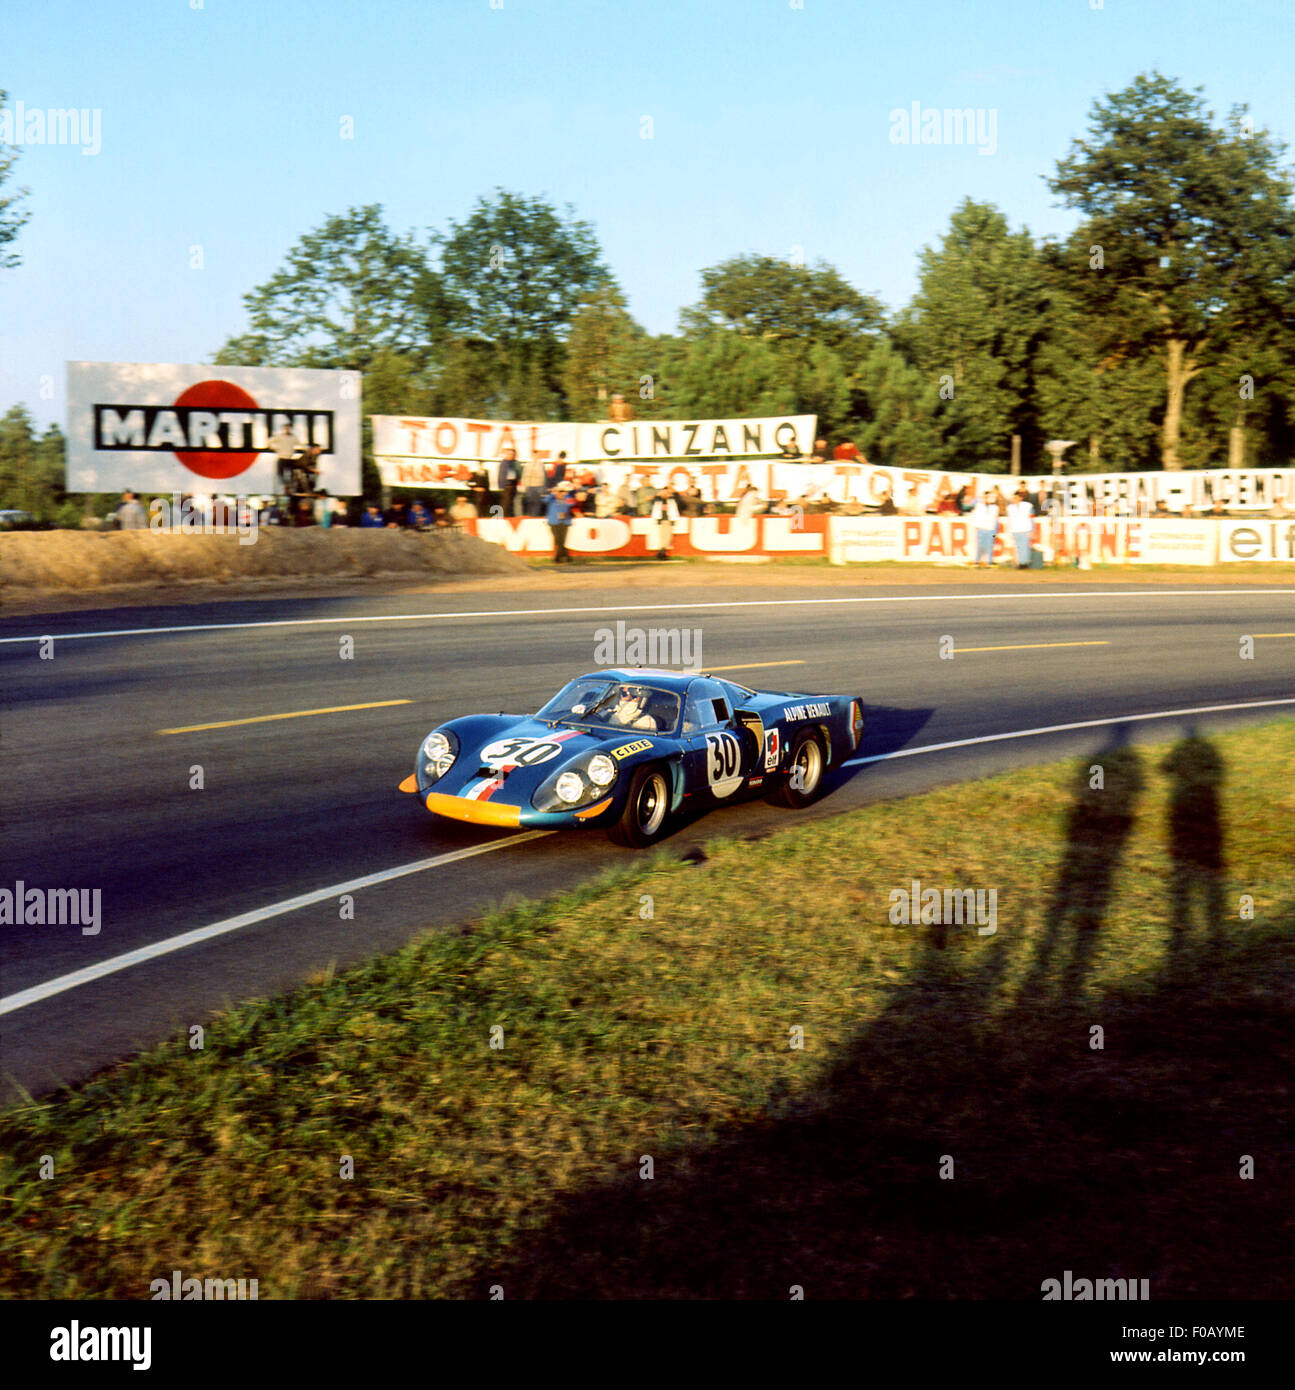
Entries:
{"x":647,"y":809}
{"x":803,"y":781}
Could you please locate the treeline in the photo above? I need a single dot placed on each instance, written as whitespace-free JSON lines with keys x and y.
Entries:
{"x":1159,"y":335}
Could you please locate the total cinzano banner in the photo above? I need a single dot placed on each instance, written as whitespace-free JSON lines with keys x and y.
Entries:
{"x":442,"y":452}
{"x":167,"y":427}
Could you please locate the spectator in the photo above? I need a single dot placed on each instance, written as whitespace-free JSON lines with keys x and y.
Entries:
{"x":791,"y":451}
{"x":533,"y":484}
{"x":749,"y":503}
{"x":283,"y":445}
{"x":847,"y":451}
{"x":984,"y":521}
{"x":1218,"y":509}
{"x":887,"y":507}
{"x":644,"y":498}
{"x":606,"y":503}
{"x":420,"y":518}
{"x":948,"y":505}
{"x":1160,"y":508}
{"x":556,"y":472}
{"x":509,"y":476}
{"x":624,"y":500}
{"x":620,"y":409}
{"x":582,"y":499}
{"x":913,"y":503}
{"x":479,"y":489}
{"x":962,"y":500}
{"x":130,"y":515}
{"x":441,"y":518}
{"x":324,"y":508}
{"x":1020,"y":521}
{"x":372,"y":515}
{"x":397,"y":514}
{"x":821,"y":454}
{"x":1188,"y":512}
{"x":462,"y":510}
{"x":665,"y":513}
{"x":559,"y":511}
{"x":693,"y":502}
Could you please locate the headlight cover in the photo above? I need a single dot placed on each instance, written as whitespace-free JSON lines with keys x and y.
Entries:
{"x":585,"y":781}
{"x":437,"y":755}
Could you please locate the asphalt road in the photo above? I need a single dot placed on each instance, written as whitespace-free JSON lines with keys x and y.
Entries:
{"x":95,"y":795}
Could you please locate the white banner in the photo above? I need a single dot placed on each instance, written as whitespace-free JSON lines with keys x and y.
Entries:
{"x":446,"y":450}
{"x":162,"y":427}
{"x":696,"y":439}
{"x":1256,"y":540}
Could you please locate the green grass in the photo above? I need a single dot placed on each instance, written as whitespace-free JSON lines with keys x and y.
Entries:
{"x":627,"y":1036}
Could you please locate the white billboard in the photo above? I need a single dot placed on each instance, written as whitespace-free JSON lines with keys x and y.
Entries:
{"x":163,"y":427}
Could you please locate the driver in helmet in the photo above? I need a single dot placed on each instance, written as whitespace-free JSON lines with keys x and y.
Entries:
{"x":631,"y":702}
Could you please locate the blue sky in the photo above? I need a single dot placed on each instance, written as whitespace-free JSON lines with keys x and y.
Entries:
{"x":221,"y":128}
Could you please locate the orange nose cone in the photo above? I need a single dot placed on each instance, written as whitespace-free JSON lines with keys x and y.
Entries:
{"x":410,"y":784}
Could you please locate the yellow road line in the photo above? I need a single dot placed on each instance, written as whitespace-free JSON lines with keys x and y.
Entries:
{"x":294,"y":714}
{"x":1030,"y":646}
{"x":1273,"y":634}
{"x":754,"y":665}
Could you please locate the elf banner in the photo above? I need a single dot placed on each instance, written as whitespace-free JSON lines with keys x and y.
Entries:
{"x":163,"y":427}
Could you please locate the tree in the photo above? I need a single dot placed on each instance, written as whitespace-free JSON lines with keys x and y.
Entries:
{"x":12,"y":217}
{"x":32,"y":470}
{"x":515,"y":274}
{"x":349,"y":292}
{"x":604,"y":354}
{"x":728,"y":375}
{"x":896,"y":423}
{"x":783,"y":301}
{"x":1188,"y":242}
{"x":974,"y":330}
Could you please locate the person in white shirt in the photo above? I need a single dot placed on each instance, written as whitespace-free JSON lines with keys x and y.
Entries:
{"x":664,"y":514}
{"x":1020,"y":521}
{"x":749,"y":503}
{"x":984,"y":520}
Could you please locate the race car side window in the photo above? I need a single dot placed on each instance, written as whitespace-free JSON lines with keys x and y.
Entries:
{"x":706,"y":707}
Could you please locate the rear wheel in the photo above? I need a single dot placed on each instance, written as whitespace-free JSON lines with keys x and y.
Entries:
{"x":805,"y":768}
{"x":647,"y":807}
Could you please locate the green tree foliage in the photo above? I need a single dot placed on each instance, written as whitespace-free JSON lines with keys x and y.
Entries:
{"x":605,"y":355}
{"x":515,"y":273}
{"x":1187,"y":247}
{"x":974,"y":331}
{"x":349,"y":293}
{"x":12,"y":215}
{"x":32,"y":469}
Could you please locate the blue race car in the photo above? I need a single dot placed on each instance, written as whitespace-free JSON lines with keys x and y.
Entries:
{"x":626,"y":749}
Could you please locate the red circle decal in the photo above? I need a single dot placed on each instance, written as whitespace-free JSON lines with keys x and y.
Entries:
{"x":216,"y":396}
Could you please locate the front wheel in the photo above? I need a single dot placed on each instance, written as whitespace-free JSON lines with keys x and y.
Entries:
{"x":805,"y":769}
{"x":647,"y":806}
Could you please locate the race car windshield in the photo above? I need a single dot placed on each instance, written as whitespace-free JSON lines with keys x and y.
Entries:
{"x":614,"y":705}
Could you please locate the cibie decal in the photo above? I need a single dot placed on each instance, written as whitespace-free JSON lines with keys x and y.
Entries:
{"x":723,"y":764}
{"x":772,"y":749}
{"x":819,"y":710}
{"x":519,"y":752}
{"x":626,"y":749}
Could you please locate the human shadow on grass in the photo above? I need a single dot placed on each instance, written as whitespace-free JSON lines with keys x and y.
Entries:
{"x":972,"y":1144}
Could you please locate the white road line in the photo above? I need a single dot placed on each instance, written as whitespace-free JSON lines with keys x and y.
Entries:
{"x":643,"y":608}
{"x":114,"y":964}
{"x":1060,"y":728}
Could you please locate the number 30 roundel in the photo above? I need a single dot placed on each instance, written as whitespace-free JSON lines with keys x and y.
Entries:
{"x":723,"y":764}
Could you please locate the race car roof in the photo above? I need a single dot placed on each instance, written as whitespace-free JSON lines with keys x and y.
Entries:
{"x":667,"y":680}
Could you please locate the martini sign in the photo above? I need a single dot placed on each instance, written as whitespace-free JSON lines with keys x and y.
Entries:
{"x":157,"y":427}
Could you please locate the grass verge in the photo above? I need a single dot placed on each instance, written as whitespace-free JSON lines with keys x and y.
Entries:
{"x":953,"y":1126}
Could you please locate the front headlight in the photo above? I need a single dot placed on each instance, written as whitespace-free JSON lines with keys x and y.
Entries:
{"x":438,"y":754}
{"x":602,"y":771}
{"x":570,"y":787}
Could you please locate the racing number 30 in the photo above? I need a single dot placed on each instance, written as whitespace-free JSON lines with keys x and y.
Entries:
{"x":723,"y":763}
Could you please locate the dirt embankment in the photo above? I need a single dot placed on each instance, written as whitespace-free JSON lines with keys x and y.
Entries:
{"x":78,"y":561}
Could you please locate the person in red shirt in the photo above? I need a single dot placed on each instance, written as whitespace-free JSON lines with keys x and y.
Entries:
{"x":847,"y":451}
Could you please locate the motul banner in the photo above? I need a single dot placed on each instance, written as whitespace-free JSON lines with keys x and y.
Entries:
{"x":161,"y":427}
